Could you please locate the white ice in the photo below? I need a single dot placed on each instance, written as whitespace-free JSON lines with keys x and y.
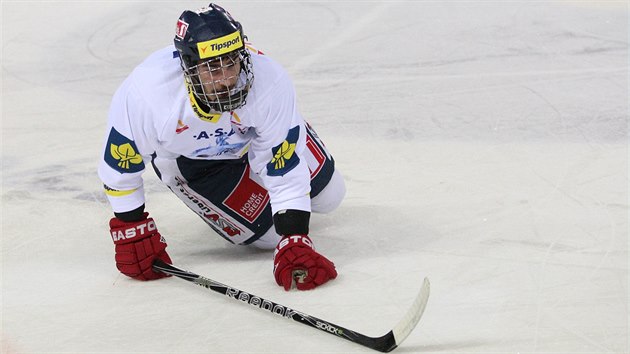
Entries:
{"x":484,"y":145}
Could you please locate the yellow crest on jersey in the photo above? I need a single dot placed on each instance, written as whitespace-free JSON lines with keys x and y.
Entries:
{"x":126,"y":155}
{"x":284,"y":157}
{"x":284,"y":154}
{"x":122,"y":154}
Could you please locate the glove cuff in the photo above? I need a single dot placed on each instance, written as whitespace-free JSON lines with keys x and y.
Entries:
{"x":291,"y":222}
{"x":128,"y":232}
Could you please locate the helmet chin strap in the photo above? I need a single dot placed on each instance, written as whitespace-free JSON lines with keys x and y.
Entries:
{"x":206,"y":112}
{"x":202,"y":111}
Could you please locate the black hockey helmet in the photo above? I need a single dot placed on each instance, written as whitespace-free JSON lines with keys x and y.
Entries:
{"x":209,"y":40}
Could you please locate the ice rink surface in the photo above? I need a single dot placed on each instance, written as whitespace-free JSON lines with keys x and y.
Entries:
{"x":484,"y":145}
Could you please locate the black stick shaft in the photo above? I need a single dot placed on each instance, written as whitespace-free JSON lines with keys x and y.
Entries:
{"x":384,"y":343}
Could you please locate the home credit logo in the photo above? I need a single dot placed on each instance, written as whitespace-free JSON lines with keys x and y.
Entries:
{"x":248,"y":199}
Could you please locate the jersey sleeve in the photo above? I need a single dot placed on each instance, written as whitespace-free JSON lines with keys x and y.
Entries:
{"x":276,"y":154}
{"x":125,"y":152}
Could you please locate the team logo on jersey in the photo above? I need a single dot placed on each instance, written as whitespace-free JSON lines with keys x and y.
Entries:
{"x":235,"y":118}
{"x":284,"y":156}
{"x":181,"y":127}
{"x":122,"y":154}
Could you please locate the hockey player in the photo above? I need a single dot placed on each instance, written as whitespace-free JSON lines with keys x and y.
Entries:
{"x":218,"y":122}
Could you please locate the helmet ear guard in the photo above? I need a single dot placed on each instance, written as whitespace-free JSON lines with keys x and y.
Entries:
{"x":211,"y":42}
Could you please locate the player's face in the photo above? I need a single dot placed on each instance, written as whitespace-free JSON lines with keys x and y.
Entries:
{"x":220,"y":75}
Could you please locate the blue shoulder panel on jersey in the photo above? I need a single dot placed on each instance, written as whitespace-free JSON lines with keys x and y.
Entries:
{"x":121,"y":153}
{"x":284,"y":157}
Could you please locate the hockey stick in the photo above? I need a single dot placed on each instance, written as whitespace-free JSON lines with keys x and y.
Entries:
{"x":385,"y":343}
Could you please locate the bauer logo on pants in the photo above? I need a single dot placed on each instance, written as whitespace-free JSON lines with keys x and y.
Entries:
{"x":122,"y":154}
{"x":284,"y":157}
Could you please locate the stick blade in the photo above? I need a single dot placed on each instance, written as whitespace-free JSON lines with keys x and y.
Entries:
{"x":413,"y":315}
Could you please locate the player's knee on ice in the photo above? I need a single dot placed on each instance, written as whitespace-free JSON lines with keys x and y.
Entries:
{"x":331,"y":196}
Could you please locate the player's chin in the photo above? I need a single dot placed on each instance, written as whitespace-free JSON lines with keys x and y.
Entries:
{"x":213,"y":98}
{"x":222,"y":96}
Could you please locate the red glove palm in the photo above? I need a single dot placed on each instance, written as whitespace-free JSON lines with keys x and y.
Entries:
{"x":295,"y":258}
{"x":138,"y":244}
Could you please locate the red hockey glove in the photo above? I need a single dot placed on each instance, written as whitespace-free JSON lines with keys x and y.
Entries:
{"x":138,"y":244}
{"x":295,"y":259}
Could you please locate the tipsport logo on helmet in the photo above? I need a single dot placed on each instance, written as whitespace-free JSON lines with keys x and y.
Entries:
{"x":220,"y":46}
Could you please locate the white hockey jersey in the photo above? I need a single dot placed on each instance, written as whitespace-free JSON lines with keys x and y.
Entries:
{"x":152,"y":118}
